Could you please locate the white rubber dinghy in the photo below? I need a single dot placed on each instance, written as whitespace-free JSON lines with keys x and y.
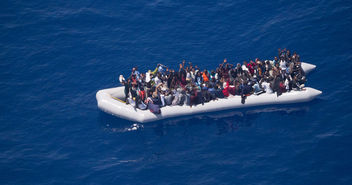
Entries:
{"x":109,"y":100}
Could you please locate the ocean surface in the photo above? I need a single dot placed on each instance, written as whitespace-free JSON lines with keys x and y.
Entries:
{"x":55,"y":55}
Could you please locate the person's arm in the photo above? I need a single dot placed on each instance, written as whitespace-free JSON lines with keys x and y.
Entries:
{"x":155,"y":70}
{"x":157,"y":87}
{"x":190,"y":65}
{"x":180,"y":68}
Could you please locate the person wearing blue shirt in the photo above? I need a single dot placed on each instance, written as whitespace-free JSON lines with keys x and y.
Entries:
{"x":135,"y":72}
{"x":275,"y":61}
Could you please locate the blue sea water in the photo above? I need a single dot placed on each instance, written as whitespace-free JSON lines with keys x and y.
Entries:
{"x":55,"y":55}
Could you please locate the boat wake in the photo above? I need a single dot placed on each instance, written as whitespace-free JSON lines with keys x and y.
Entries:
{"x":225,"y":120}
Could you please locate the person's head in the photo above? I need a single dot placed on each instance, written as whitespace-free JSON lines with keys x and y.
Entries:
{"x":275,"y":58}
{"x":298,"y":63}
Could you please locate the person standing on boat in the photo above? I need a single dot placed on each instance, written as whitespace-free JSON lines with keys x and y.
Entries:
{"x":134,"y":94}
{"x":161,"y":68}
{"x":127,"y":88}
{"x":135,"y":72}
{"x":250,"y":67}
{"x":288,"y":56}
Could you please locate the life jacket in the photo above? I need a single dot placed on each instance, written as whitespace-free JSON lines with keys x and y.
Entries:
{"x":142,"y":94}
{"x":225,"y":91}
{"x":205,"y":77}
{"x":250,"y":67}
{"x":259,"y":71}
{"x":133,"y":80}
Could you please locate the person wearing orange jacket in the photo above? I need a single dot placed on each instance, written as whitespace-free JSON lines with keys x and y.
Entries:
{"x":205,"y":76}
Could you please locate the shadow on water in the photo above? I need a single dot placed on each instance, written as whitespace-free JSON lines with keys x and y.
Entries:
{"x":225,"y":121}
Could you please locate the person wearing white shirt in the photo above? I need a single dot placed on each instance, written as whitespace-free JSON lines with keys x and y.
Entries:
{"x":283,"y":65}
{"x":266,"y":87}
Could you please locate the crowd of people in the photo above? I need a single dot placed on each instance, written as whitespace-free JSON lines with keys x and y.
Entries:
{"x":192,"y":86}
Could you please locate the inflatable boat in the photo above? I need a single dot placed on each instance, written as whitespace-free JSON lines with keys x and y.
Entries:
{"x":110,"y":101}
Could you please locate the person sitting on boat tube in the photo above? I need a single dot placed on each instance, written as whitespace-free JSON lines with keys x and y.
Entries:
{"x":246,"y":90}
{"x":152,"y":102}
{"x":154,"y":108}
